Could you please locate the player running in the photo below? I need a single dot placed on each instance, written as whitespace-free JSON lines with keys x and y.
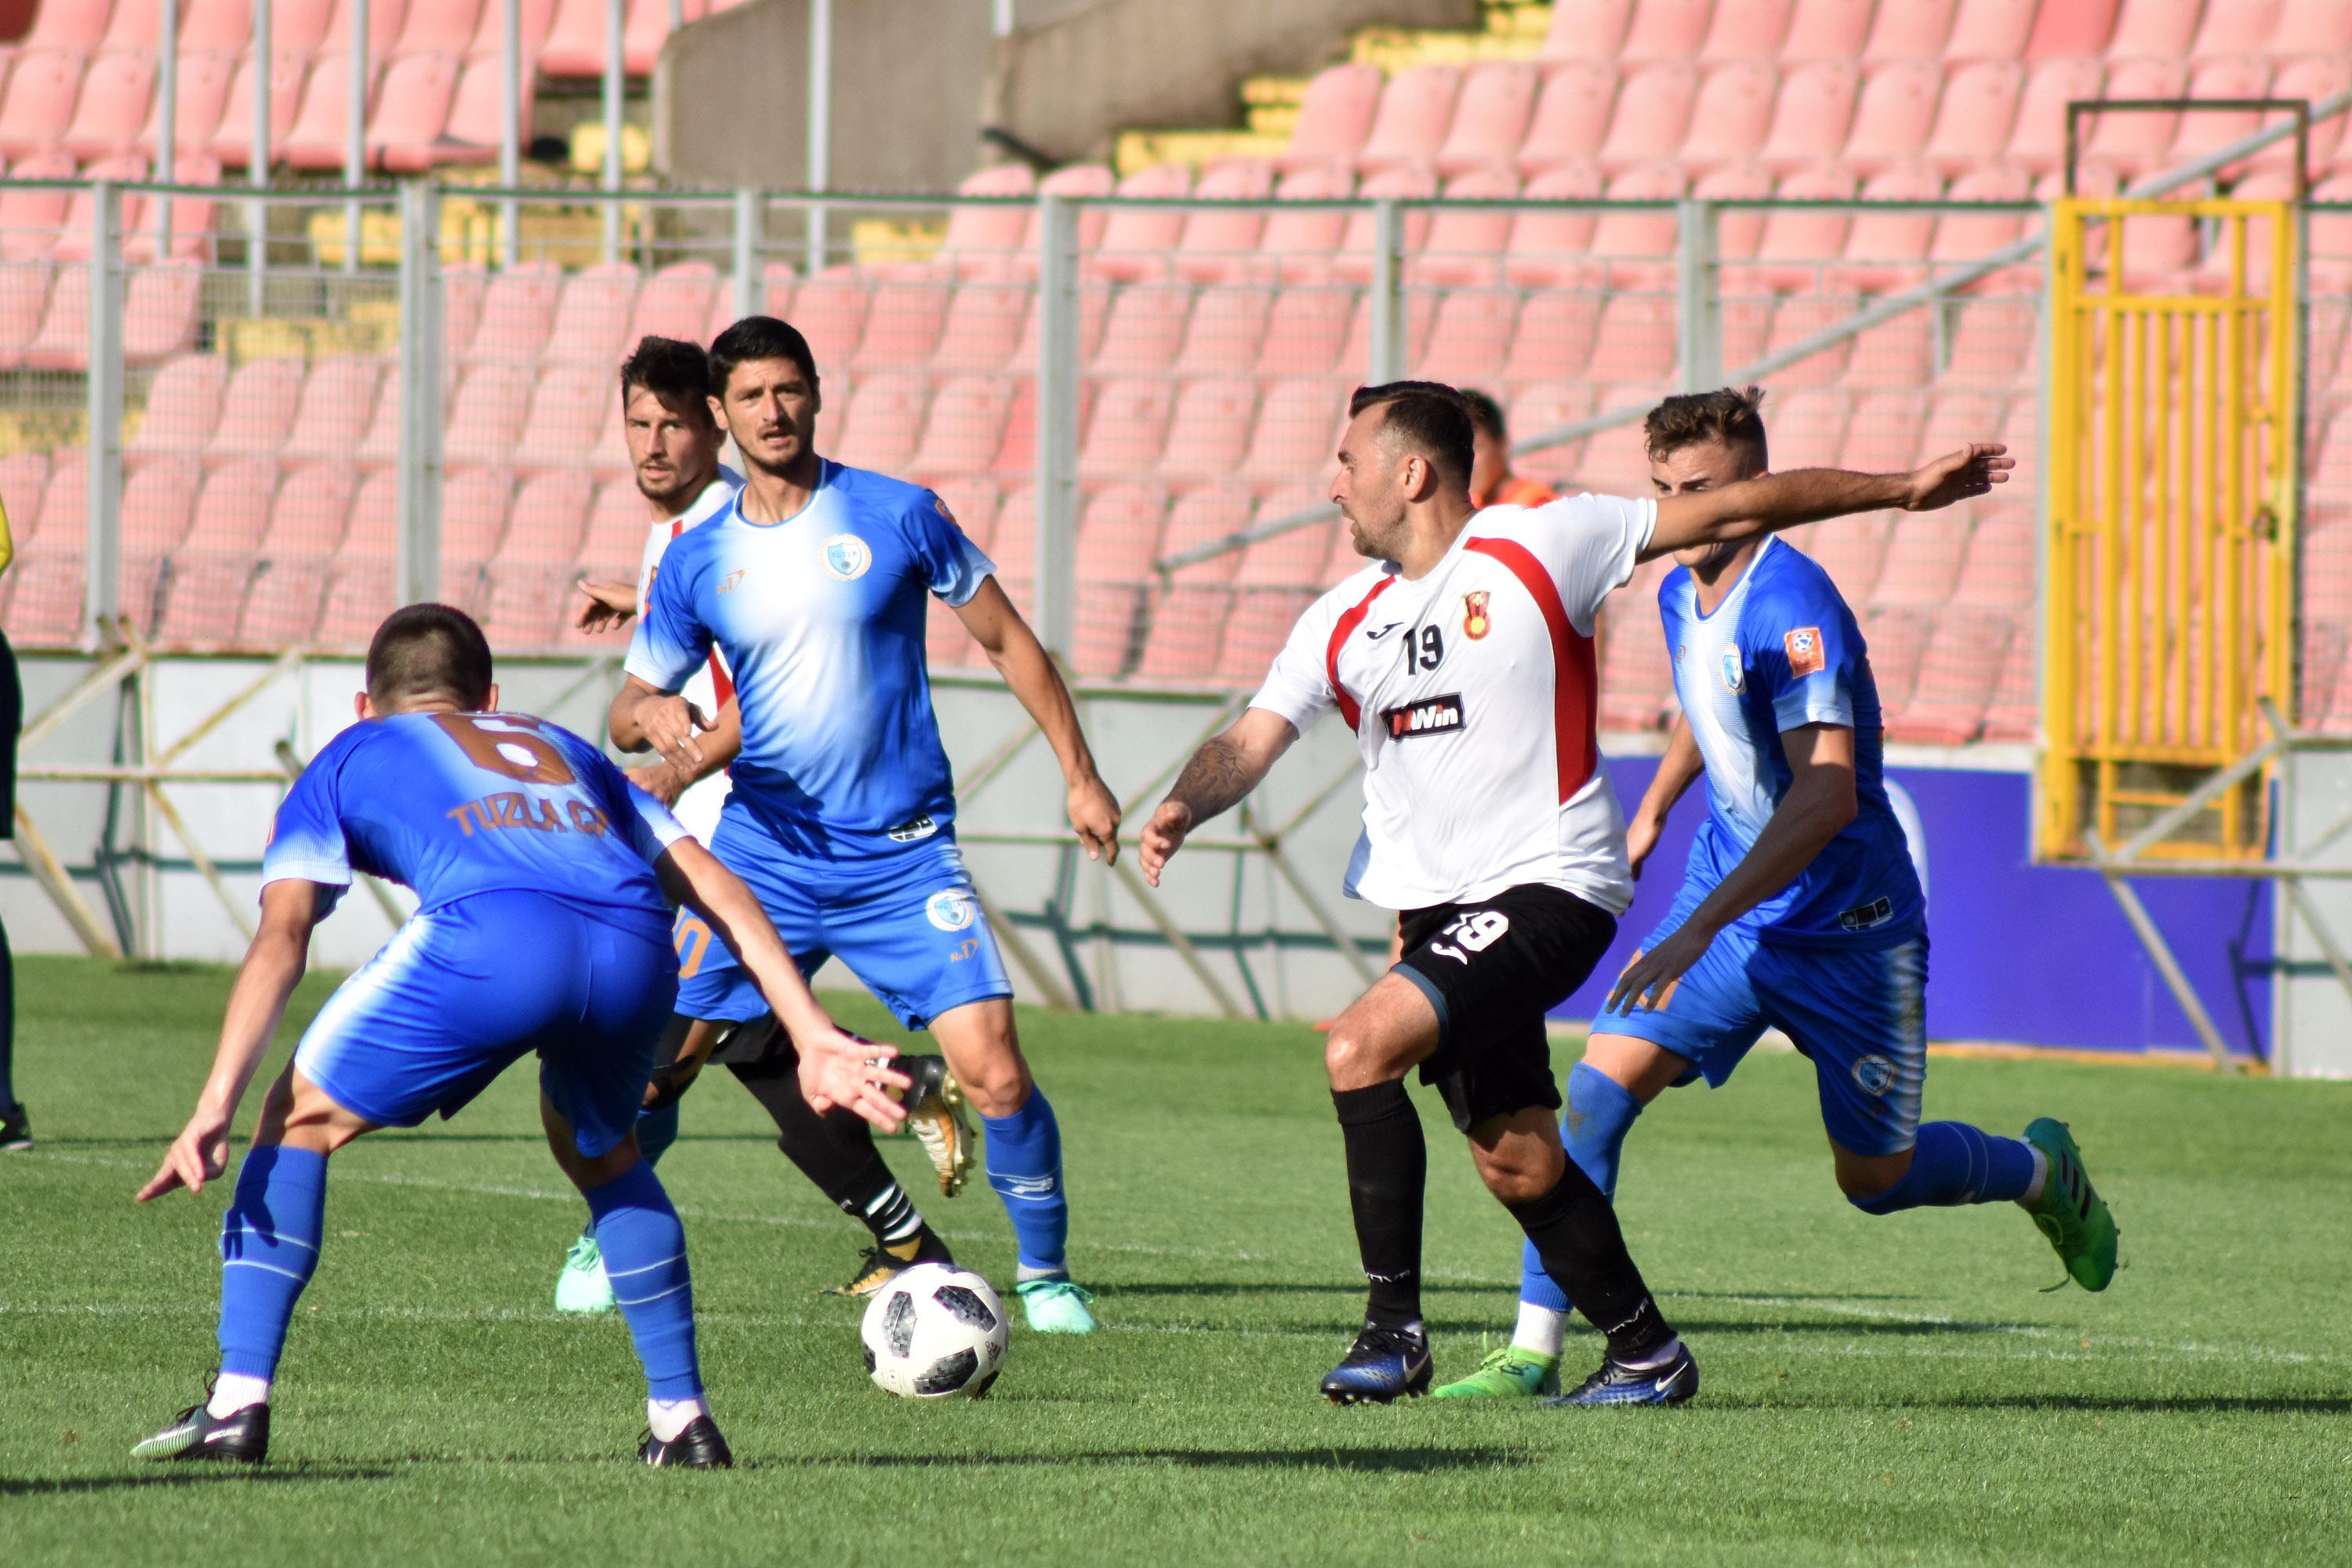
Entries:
{"x":1463,"y":658}
{"x":674,"y":442}
{"x":1800,"y":910}
{"x":541,"y":926}
{"x":814,"y":585}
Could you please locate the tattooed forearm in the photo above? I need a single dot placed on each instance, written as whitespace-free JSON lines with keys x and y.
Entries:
{"x":1219,"y":774}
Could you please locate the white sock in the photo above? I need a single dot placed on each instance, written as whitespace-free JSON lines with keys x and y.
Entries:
{"x":233,"y":1391}
{"x":1540,"y":1329}
{"x":1659,"y":1357}
{"x":668,"y":1417}
{"x":2033,"y":1193}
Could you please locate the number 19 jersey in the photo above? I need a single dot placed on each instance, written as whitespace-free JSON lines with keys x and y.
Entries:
{"x":1472,"y":692}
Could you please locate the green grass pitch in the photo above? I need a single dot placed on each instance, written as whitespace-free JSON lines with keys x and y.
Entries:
{"x":1876,"y":1391}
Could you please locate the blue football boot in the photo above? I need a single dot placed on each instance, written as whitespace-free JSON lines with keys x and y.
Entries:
{"x":1382,"y":1364}
{"x":1616,"y":1383}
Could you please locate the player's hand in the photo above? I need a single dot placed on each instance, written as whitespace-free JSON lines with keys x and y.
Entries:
{"x":1641,"y":837}
{"x":196,"y":1156}
{"x":838,"y":1068}
{"x":604,"y":606}
{"x":1162,"y":836}
{"x":1649,"y":981}
{"x":671,"y":724}
{"x":661,"y":781}
{"x":1094,"y":812}
{"x":1973,"y":471}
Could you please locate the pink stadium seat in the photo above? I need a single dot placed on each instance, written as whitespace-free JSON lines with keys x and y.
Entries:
{"x":1666,"y":29}
{"x":1547,"y":248}
{"x":63,"y":503}
{"x":1255,"y":631}
{"x":1640,"y":244}
{"x":1990,"y":30}
{"x":1796,"y":242}
{"x":465,"y":285}
{"x":1738,"y":229}
{"x":2134,"y":141}
{"x":23,"y":476}
{"x":1826,"y":30}
{"x":591,"y":316}
{"x":959,"y":438}
{"x":2154,"y":29}
{"x":1634,"y":340}
{"x":1334,"y":117}
{"x":1471,"y":339}
{"x":1894,"y":116}
{"x":1616,"y":461}
{"x":1072,"y":180}
{"x":211,"y":568}
{"x":1295,"y":559}
{"x":1119,"y":537}
{"x":1227,"y":327}
{"x":1962,"y":237}
{"x":538,"y":19}
{"x":30,"y":219}
{"x":39,"y":100}
{"x":132,"y":25}
{"x":1586,"y":29}
{"x":575,"y":40}
{"x":384,"y":19}
{"x":1013,"y":543}
{"x":1923,"y":560}
{"x":2158,"y":251}
{"x":1798,"y":318}
{"x":159,"y":499}
{"x":1899,"y":353}
{"x":1215,"y":245}
{"x":2212,"y":274}
{"x":258,"y":409}
{"x":1297,"y":244}
{"x":485,"y":415}
{"x":1993,"y":344}
{"x":2209,"y":130}
{"x":379,"y":441}
{"x":411,"y":113}
{"x":1978,"y":113}
{"x":24,"y":307}
{"x":2318,"y":28}
{"x":1353,"y":262}
{"x":474,"y":507}
{"x":1882,"y":432}
{"x":1897,"y":640}
{"x":1908,"y":30}
{"x":1204,"y":515}
{"x":68,"y":25}
{"x":982,"y":241}
{"x":191,"y":217}
{"x":1490,"y":116}
{"x":2314,"y":80}
{"x":548,"y":512}
{"x":1732,"y":113}
{"x":983,"y":327}
{"x":1135,"y":241}
{"x":1850,"y":549}
{"x":1652,"y":116}
{"x":2074,"y":28}
{"x":232,"y":141}
{"x":183,"y":405}
{"x":1748,"y":31}
{"x":1420,"y":312}
{"x":204,"y":84}
{"x":903,"y":324}
{"x":1463,"y":245}
{"x":644,"y":29}
{"x":439,"y":26}
{"x":115,"y":92}
{"x":317,"y":139}
{"x":1537,"y":410}
{"x":1809,"y":426}
{"x":1571,"y":118}
{"x":471,"y":132}
{"x":2001,"y":564}
{"x":518,"y":314}
{"x":1294,"y":434}
{"x":1128,"y":427}
{"x":885,"y":418}
{"x":1210,"y":432}
{"x":673,"y":303}
{"x":1016,"y":449}
{"x":63,"y":340}
{"x":616,"y":533}
{"x":1958,"y":672}
{"x":312,"y":512}
{"x":1416,"y":110}
{"x":1145,"y":326}
{"x":333,"y":415}
{"x":1809,"y":115}
{"x":1304,"y":329}
{"x":75,"y":240}
{"x":1554,"y":339}
{"x":568,"y":407}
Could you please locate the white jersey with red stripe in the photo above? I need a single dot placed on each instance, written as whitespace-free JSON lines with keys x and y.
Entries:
{"x":1473,"y":693}
{"x":708,"y":688}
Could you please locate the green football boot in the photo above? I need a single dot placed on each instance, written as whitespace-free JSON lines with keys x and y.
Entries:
{"x":2070,"y":1212}
{"x":1055,"y":1306}
{"x":1508,"y":1372}
{"x":583,"y":1286}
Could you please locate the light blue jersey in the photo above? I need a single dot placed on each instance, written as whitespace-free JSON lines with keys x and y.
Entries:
{"x":820,"y":618}
{"x":1781,"y":651}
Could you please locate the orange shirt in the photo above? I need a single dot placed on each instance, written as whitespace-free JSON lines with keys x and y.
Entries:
{"x":1516,"y":491}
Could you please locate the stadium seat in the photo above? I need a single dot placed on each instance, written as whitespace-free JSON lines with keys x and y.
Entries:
{"x":1733,"y":112}
{"x":2212,"y":273}
{"x":1826,"y":30}
{"x":1416,"y":110}
{"x":202,"y":94}
{"x":440,"y":27}
{"x":537,"y":20}
{"x":1077,"y":180}
{"x":1539,"y":409}
{"x":1637,"y":681}
{"x":1958,"y":672}
{"x":38,"y":103}
{"x":406,"y":130}
{"x":591,"y":317}
{"x":1666,"y":29}
{"x":1965,"y":236}
{"x":1811,"y":113}
{"x":23,"y":476}
{"x":2134,"y":141}
{"x":1798,"y":318}
{"x":1639,"y":246}
{"x":113,"y":105}
{"x":1255,"y":630}
{"x":257,"y":410}
{"x":1748,"y":31}
{"x":1215,"y":245}
{"x":1209,"y":433}
{"x":518,"y":312}
{"x":1119,"y":537}
{"x":1634,"y":340}
{"x":1145,"y":327}
{"x":1894,"y":116}
{"x":972,"y":502}
{"x":1016,"y":446}
{"x":63,"y":503}
{"x":1012,"y":543}
{"x":1297,"y":558}
{"x":569,"y":406}
{"x":312,"y":515}
{"x":63,"y":340}
{"x":884,"y":419}
{"x":159,"y":500}
{"x":2154,"y":29}
{"x":2079,"y":27}
{"x":333,"y":413}
{"x":1304,"y":331}
{"x":1356,"y":350}
{"x":1334,"y":117}
{"x":2000,"y":562}
{"x":184,"y":406}
{"x":644,"y":29}
{"x":1808,"y":425}
{"x":1955,"y":417}
{"x":379,"y":441}
{"x":1990,"y":30}
{"x":1136,"y":240}
{"x":470,"y":133}
{"x":384,"y":19}
{"x":1882,"y":432}
{"x":548,"y":515}
{"x":24,"y":307}
{"x":1737,"y":230}
{"x":485,"y":415}
{"x":982,"y":241}
{"x":1923,"y":560}
{"x":574,"y":45}
{"x":2316,"y":28}
{"x":1974,"y":120}
{"x":982,"y":328}
{"x":2315,"y":79}
{"x":1463,"y":245}
{"x":1553,"y":338}
{"x":31,"y":220}
{"x":1897,"y":640}
{"x":1547,"y":248}
{"x":1204,"y":515}
{"x":77,"y":235}
{"x":1851,"y":550}
{"x":1296,"y":423}
{"x":1130,"y":424}
{"x":1227,"y":328}
{"x":2209,"y":130}
{"x":1886,"y":250}
{"x":318,"y":140}
{"x":1471,"y":339}
{"x":961,"y":434}
{"x":1352,"y":262}
{"x":673,"y":303}
{"x":204,"y":597}
{"x":830,"y":311}
{"x":1586,"y":29}
{"x":1652,"y":116}
{"x":232,"y":141}
{"x":1571,"y":118}
{"x":473,"y":510}
{"x":1490,"y":116}
{"x":1898,"y":352}
{"x":1908,"y":30}
{"x":1796,"y":242}
{"x":60,"y":25}
{"x":1296,"y":245}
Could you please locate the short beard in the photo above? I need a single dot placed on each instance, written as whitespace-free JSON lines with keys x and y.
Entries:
{"x":685,"y":486}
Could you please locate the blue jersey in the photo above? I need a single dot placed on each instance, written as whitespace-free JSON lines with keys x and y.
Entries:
{"x":453,"y":804}
{"x":820,"y":619}
{"x":1779,"y":652}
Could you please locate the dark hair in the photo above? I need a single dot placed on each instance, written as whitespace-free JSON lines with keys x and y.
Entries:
{"x":1484,"y":413}
{"x":429,"y":650}
{"x":758,"y":337}
{"x":1733,"y":416}
{"x":1429,"y":417}
{"x":675,"y":372}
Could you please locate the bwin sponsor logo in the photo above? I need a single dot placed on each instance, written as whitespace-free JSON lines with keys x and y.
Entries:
{"x":1430,"y":716}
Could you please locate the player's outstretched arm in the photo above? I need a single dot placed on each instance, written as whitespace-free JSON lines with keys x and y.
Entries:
{"x":1774,"y":501}
{"x":837,"y":1067}
{"x":1022,"y":659}
{"x":273,"y":966}
{"x":1223,"y":770}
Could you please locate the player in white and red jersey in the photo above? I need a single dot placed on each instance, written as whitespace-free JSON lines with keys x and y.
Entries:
{"x":1462,"y":657}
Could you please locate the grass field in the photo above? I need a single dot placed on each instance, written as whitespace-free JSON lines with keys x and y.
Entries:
{"x":1876,"y":1391}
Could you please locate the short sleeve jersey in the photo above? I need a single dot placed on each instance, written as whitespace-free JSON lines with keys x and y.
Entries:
{"x":452,"y":804}
{"x":1472,"y":693}
{"x":1779,"y":652}
{"x":820,"y":620}
{"x":708,"y":688}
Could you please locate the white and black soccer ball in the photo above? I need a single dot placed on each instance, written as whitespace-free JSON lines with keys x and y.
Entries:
{"x":934,"y":1333}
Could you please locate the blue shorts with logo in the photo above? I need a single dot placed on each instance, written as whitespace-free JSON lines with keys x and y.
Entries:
{"x":1858,"y":1014}
{"x":908,"y":924}
{"x":463,"y":992}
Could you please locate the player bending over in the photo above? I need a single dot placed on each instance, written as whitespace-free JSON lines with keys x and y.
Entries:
{"x":815,"y":585}
{"x":1800,"y":910}
{"x":541,"y":926}
{"x":674,"y":441}
{"x":1463,"y":658}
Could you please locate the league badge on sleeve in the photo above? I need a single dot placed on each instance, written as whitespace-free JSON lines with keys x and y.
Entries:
{"x":1805,"y":655}
{"x":1475,"y":621}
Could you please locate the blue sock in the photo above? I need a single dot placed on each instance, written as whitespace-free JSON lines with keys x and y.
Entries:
{"x":644,"y":1255}
{"x":656,"y":1130}
{"x":1598,"y":1114}
{"x":1025,"y":1166}
{"x":269,"y":1245}
{"x":1954,"y":1162}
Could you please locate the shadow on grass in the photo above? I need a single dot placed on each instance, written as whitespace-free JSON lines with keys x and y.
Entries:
{"x":192,"y":1475}
{"x":2181,"y":1405}
{"x":1287,"y":1287}
{"x":1408,"y":1461}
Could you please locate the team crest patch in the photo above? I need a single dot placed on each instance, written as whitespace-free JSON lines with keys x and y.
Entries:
{"x":941,"y":503}
{"x":950,"y":909}
{"x":846,"y":556}
{"x":1734,"y":677}
{"x":1874,"y":1074}
{"x":1805,"y":656}
{"x":1475,"y":621}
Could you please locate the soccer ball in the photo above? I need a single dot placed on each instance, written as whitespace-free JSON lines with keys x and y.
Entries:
{"x":934,"y":1333}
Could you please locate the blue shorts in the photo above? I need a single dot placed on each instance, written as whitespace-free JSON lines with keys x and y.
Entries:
{"x":1857,"y":1014}
{"x":461,"y":993}
{"x":908,"y":926}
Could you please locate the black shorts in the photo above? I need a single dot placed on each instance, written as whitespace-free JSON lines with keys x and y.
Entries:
{"x":1493,"y":969}
{"x":754,"y":1043}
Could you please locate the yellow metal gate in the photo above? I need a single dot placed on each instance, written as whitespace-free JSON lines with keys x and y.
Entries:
{"x":2173,"y":422}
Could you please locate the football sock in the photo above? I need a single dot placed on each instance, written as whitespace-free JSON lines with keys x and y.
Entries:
{"x":1388,"y":1168}
{"x":269,"y":1245}
{"x":233,"y":1391}
{"x":1600,"y":1112}
{"x":1953,"y":1163}
{"x":7,"y":1023}
{"x":1025,"y":1166}
{"x":1575,"y":1231}
{"x":644,"y":1256}
{"x":667,"y":1418}
{"x":835,"y":1151}
{"x":1543,"y":1330}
